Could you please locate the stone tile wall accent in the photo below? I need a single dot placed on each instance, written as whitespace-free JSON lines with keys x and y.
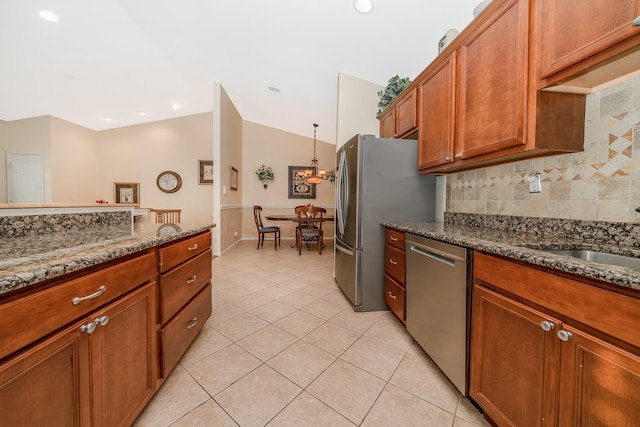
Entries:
{"x":600,"y":183}
{"x":31,"y":225}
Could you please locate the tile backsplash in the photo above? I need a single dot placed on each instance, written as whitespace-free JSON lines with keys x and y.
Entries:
{"x":601,"y":183}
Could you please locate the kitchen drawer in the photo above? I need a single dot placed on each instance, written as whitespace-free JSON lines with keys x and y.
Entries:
{"x":175,"y":253}
{"x":179,"y":285}
{"x":394,"y":238}
{"x":394,"y":297}
{"x":394,"y":263}
{"x":180,"y":332}
{"x":26,"y":319}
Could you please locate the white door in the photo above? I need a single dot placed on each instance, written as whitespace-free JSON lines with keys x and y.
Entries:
{"x":25,"y":178}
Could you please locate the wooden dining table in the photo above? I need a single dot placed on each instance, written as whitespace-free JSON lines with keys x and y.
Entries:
{"x":294,"y":218}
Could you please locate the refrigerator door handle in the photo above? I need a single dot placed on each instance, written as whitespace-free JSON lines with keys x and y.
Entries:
{"x":344,"y":250}
{"x":342,"y":191}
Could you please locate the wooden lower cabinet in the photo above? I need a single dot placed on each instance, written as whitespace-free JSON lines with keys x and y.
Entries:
{"x":551,"y":350}
{"x":598,"y":383}
{"x":510,"y":355}
{"x":48,"y":385}
{"x":77,"y":378}
{"x":395,"y":273}
{"x":123,"y":358}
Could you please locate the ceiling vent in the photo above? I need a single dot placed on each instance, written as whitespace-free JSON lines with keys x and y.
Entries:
{"x":273,"y":90}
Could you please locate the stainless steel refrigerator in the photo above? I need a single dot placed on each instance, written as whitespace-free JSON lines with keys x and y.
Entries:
{"x":376,"y":181}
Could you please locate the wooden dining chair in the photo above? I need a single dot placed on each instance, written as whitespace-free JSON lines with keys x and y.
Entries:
{"x":171,"y":216}
{"x":309,"y":229}
{"x":262,"y":230}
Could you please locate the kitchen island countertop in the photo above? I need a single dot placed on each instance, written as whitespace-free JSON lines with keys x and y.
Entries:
{"x":531,"y":248}
{"x":28,"y":260}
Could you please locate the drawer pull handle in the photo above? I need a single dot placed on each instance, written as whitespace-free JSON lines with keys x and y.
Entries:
{"x":392,"y":296}
{"x":392,"y":261}
{"x":636,"y":22}
{"x":96,"y":294}
{"x":393,"y":238}
{"x":193,"y":248}
{"x":193,"y":279}
{"x":193,"y":322}
{"x":88,"y":328}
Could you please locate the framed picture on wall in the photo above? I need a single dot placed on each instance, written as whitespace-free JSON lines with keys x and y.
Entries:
{"x":233,"y":178}
{"x":299,"y":187}
{"x":205,"y":171}
{"x":127,"y":192}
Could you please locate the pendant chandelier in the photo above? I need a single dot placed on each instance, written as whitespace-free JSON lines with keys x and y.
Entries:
{"x":314,"y":175}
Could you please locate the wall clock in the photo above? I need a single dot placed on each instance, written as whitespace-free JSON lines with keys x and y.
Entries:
{"x":169,"y":182}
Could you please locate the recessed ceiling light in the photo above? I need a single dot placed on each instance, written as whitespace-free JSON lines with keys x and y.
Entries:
{"x":107,"y":119}
{"x":363,"y":6}
{"x":48,"y":16}
{"x":142,"y":113}
{"x":176,"y":107}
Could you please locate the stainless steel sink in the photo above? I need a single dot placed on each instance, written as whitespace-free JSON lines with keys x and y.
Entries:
{"x":603,"y":257}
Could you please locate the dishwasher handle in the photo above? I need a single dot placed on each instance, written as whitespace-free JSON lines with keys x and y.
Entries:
{"x":442,"y":257}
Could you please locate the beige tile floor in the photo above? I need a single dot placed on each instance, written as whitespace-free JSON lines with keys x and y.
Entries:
{"x":284,"y":348}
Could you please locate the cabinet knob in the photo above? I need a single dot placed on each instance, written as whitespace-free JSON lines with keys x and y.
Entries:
{"x":88,"y":328}
{"x":458,"y":155}
{"x":636,"y":22}
{"x":392,"y":296}
{"x":193,"y":279}
{"x":547,"y":326}
{"x":564,"y":335}
{"x":392,"y":261}
{"x":102,"y":321}
{"x":447,"y":159}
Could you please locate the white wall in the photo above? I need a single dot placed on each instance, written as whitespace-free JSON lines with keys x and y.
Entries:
{"x":74,"y":161}
{"x":4,"y":145}
{"x":357,"y":107}
{"x":140,"y":153}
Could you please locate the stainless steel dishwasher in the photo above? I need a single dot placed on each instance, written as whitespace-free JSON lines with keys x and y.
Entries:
{"x":438,"y":303}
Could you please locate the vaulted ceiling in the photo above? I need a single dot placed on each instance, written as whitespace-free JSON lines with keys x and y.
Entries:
{"x":134,"y":61}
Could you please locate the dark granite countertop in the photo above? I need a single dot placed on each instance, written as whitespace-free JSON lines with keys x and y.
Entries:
{"x":28,"y":260}
{"x":531,"y":248}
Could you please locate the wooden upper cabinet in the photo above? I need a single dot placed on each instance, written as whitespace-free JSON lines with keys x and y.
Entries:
{"x":388,"y":123}
{"x":437,"y":120}
{"x":493,"y":84}
{"x":571,"y":32}
{"x":400,"y":118}
{"x":480,"y":103}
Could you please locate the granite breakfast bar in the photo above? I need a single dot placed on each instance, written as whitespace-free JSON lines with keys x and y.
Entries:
{"x":121,"y":301}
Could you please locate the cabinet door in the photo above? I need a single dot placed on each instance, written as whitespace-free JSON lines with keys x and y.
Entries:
{"x":512,"y":361}
{"x":388,"y":123}
{"x":407,"y":113}
{"x":437,"y":116}
{"x":124,"y":358}
{"x":572,"y":32}
{"x":493,"y":84}
{"x":599,"y":383}
{"x":47,"y":385}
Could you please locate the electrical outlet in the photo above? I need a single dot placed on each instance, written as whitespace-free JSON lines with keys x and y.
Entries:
{"x":535,"y":183}
{"x":235,"y":233}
